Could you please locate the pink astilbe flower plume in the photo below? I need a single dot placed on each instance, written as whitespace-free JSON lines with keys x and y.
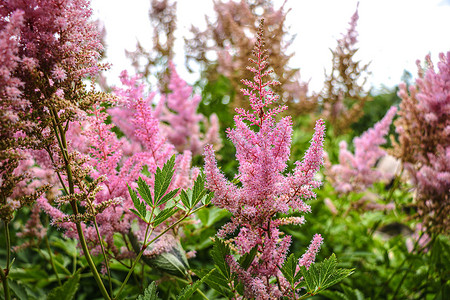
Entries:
{"x":423,"y":127}
{"x":178,"y":109}
{"x":356,"y":172}
{"x":263,"y":149}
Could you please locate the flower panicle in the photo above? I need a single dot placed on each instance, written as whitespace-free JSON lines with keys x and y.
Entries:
{"x":259,"y":92}
{"x":356,"y":172}
{"x":264,"y":188}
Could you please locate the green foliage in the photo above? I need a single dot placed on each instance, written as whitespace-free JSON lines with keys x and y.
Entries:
{"x":289,"y":270}
{"x":317,"y":278}
{"x":192,"y":197}
{"x":163,"y":177}
{"x":323,"y":275}
{"x":173,"y":262}
{"x":246,"y":259}
{"x":162,"y":181}
{"x":187,"y":292}
{"x":216,"y":98}
{"x":347,"y":294}
{"x":219,"y":253}
{"x":375,"y":110}
{"x":219,"y":277}
{"x":150,"y":293}
{"x":67,"y":290}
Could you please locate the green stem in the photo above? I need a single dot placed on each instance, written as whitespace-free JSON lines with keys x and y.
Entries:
{"x":145,"y":245}
{"x":394,"y":186}
{"x":4,"y":273}
{"x":60,"y":135}
{"x":8,"y":247}
{"x":5,"y":284}
{"x":91,"y":263}
{"x":197,"y":290}
{"x":47,"y":244}
{"x":386,"y":284}
{"x":202,"y":294}
{"x":104,"y":255}
{"x":401,"y":281}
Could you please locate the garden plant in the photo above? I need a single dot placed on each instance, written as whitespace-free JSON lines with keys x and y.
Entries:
{"x":246,"y":185}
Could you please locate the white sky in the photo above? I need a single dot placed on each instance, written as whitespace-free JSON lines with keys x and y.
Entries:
{"x":393,"y":34}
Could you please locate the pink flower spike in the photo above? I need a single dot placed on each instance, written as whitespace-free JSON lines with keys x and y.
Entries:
{"x":310,"y":255}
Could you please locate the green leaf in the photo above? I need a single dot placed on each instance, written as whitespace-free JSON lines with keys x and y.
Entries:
{"x":189,"y":290}
{"x":136,"y":213}
{"x":323,"y":275}
{"x":69,"y":246}
{"x":218,"y":253}
{"x":66,"y":291}
{"x":199,"y":185}
{"x":164,"y":215}
{"x":217,"y":281}
{"x":352,"y":294}
{"x":248,"y":258}
{"x":207,"y":200}
{"x":19,"y":289}
{"x":150,"y":293}
{"x":167,"y":197}
{"x":199,"y":191}
{"x":173,"y":261}
{"x":185,"y":199}
{"x":288,"y":269}
{"x":134,"y":197}
{"x":334,"y":295}
{"x":140,"y":207}
{"x":163,"y":178}
{"x":144,"y":191}
{"x":209,"y":216}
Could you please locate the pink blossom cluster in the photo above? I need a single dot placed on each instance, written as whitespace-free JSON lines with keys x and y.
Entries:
{"x":121,"y":161}
{"x":356,"y":172}
{"x":178,"y":109}
{"x":175,"y":114}
{"x":424,"y":140}
{"x":47,"y":47}
{"x":47,"y":35}
{"x":265,"y":193}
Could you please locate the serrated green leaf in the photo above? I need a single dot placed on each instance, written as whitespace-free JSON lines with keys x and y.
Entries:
{"x":167,"y":197}
{"x":207,"y":199}
{"x":185,"y":199}
{"x":19,"y":289}
{"x":199,"y":191}
{"x":189,"y":290}
{"x":66,"y":291}
{"x":199,"y":185}
{"x":217,"y":281}
{"x":136,"y":213}
{"x":163,"y":178}
{"x":140,"y":207}
{"x":144,"y":191}
{"x":218,"y":253}
{"x":323,"y":275}
{"x":248,"y":258}
{"x":173,"y":261}
{"x":134,"y":197}
{"x":200,"y":196}
{"x":164,"y":215}
{"x":69,"y":246}
{"x":150,"y":293}
{"x":288,"y":269}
